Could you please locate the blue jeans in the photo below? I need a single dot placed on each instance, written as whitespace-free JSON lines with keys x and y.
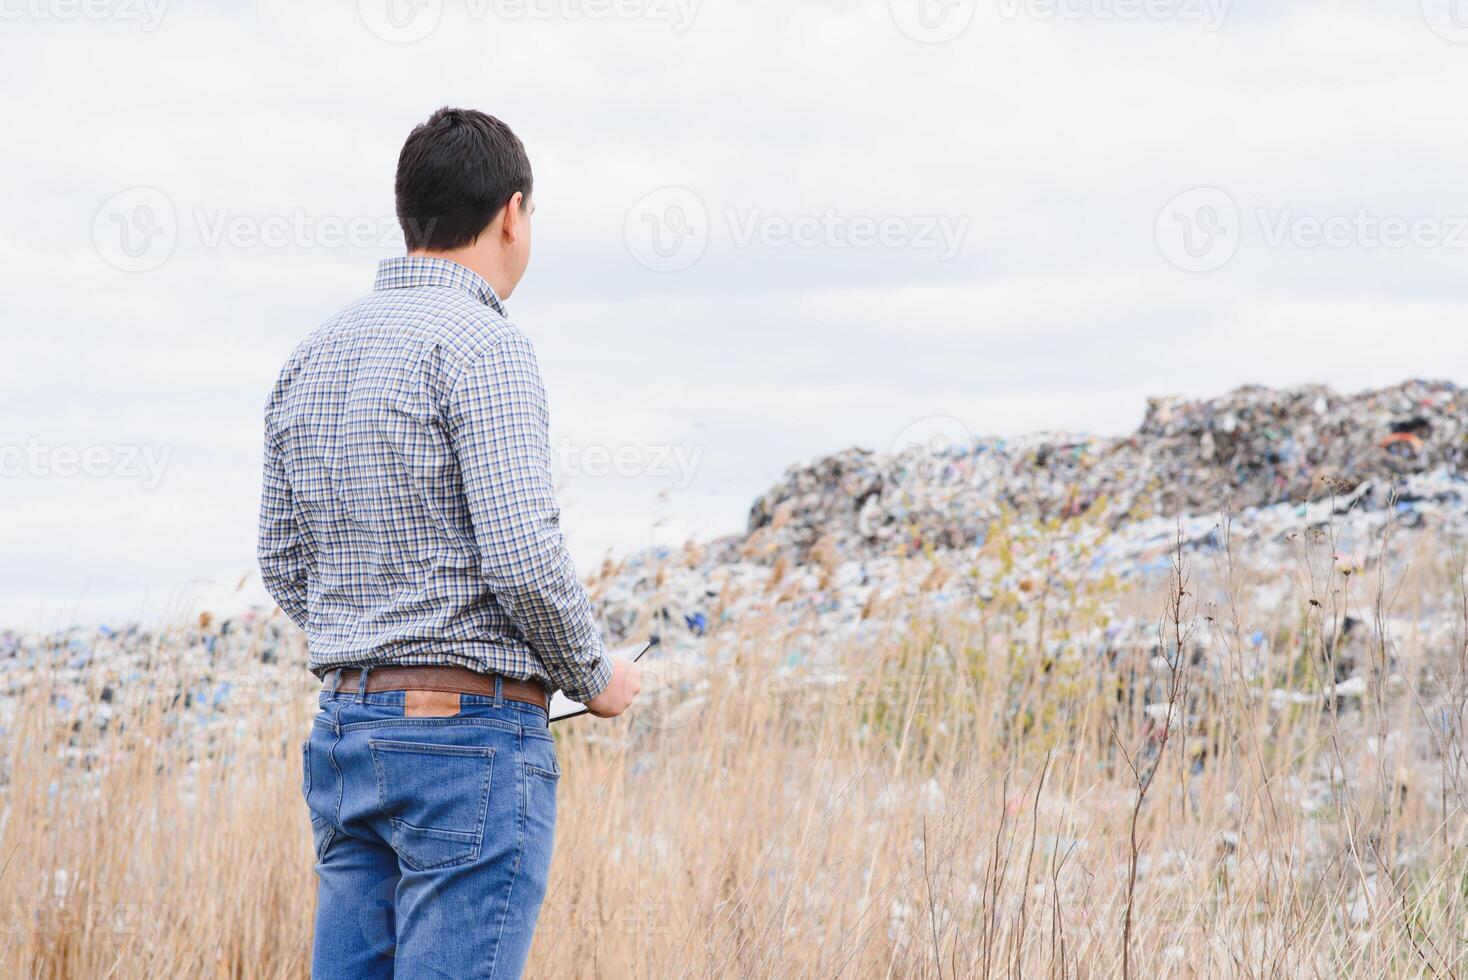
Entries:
{"x":433,"y":836}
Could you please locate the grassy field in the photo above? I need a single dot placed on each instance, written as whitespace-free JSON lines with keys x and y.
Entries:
{"x":981,"y":791}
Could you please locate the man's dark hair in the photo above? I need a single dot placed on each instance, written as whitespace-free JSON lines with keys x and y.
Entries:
{"x":455,"y":173}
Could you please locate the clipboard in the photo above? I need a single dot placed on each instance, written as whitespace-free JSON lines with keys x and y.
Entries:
{"x":562,"y":707}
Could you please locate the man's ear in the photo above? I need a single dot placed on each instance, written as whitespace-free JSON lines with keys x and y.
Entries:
{"x":514,"y":218}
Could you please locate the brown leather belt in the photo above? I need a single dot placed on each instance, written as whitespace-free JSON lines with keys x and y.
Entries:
{"x":448,"y":679}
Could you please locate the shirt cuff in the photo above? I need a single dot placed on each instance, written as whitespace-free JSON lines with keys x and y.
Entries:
{"x":584,"y":683}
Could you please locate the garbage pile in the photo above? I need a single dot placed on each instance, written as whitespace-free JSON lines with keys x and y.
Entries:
{"x":183,"y":678}
{"x":841,"y":599}
{"x":845,"y":550}
{"x":839,"y":539}
{"x":1265,"y":446}
{"x":1251,"y":448}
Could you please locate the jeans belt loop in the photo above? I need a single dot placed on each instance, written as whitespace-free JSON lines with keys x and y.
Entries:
{"x":499,"y":691}
{"x":333,"y":682}
{"x":362,"y":686}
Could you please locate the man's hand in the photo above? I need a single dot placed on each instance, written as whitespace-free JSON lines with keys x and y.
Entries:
{"x":618,"y":694}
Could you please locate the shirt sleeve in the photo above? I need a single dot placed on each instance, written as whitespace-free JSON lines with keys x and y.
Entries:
{"x":284,"y":565}
{"x":498,"y":422}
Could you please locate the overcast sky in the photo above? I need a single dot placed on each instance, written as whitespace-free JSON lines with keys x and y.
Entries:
{"x":766,"y":230}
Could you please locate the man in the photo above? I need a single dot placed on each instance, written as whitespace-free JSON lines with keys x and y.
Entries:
{"x":408,"y":525}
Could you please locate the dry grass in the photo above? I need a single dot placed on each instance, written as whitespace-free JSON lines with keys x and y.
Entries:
{"x":977,"y":792}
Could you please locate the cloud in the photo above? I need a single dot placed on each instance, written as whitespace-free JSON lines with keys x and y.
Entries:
{"x":1053,"y":141}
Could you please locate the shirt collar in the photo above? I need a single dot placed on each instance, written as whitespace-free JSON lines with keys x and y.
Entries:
{"x":408,"y":271}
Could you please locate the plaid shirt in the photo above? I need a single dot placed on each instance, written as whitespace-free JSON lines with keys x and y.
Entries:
{"x":408,"y":514}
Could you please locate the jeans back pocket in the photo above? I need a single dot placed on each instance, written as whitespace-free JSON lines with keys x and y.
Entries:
{"x":436,"y":797}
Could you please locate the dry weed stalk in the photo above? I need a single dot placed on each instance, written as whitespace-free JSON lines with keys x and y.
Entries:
{"x":1007,"y":788}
